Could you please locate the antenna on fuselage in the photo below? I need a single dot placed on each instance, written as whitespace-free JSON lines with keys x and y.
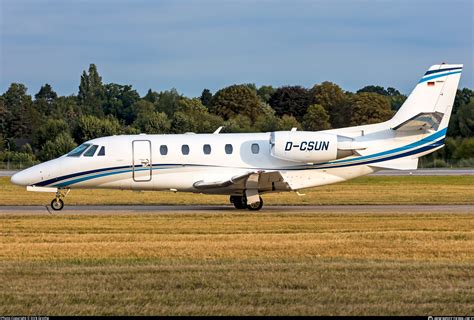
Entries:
{"x":218,"y":130}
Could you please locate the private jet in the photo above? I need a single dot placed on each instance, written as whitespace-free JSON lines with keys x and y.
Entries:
{"x":246,"y":165}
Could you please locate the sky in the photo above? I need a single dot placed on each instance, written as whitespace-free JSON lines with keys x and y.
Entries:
{"x":192,"y":45}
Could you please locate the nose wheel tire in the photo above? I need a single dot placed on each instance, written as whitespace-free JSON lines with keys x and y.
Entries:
{"x":57,"y":204}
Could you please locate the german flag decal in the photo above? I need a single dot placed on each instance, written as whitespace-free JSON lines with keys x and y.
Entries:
{"x":430,"y":83}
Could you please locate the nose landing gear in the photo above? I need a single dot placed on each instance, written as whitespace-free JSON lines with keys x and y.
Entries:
{"x":58,"y":204}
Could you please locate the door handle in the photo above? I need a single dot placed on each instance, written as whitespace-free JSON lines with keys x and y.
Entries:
{"x":145,"y":162}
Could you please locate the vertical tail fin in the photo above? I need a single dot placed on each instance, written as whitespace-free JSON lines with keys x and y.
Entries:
{"x":430,"y":104}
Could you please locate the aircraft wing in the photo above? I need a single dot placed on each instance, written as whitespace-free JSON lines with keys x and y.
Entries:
{"x":260,"y":179}
{"x":202,"y":184}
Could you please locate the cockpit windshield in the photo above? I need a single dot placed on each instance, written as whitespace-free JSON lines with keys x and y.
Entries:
{"x":79,"y":150}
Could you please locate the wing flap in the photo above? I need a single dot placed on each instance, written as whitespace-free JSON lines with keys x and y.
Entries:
{"x":202,"y":184}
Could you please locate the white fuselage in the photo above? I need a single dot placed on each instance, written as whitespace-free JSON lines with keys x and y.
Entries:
{"x":139,"y":162}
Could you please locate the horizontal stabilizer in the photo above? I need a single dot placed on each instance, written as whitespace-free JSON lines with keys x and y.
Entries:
{"x":422,"y":121}
{"x":397,"y":164}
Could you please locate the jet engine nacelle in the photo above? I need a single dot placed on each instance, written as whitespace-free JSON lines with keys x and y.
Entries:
{"x":306,"y":146}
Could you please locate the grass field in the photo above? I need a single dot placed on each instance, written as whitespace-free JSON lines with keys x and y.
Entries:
{"x":365,"y":190}
{"x":236,"y":262}
{"x":218,"y":263}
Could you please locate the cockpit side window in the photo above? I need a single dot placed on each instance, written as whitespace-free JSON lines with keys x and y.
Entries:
{"x":90,"y":152}
{"x":101,"y":151}
{"x":79,"y":150}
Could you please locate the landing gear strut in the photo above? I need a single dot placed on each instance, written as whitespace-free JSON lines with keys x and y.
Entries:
{"x":240,"y":202}
{"x":58,"y":204}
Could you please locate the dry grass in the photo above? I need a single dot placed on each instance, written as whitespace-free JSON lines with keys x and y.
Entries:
{"x":237,"y":263}
{"x":366,"y":190}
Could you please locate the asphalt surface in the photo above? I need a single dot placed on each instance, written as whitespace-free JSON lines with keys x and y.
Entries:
{"x":125,"y":209}
{"x":419,"y":172}
{"x":7,"y":173}
{"x":426,"y":172}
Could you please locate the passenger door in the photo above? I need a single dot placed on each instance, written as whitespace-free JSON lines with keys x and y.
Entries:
{"x":142,"y":164}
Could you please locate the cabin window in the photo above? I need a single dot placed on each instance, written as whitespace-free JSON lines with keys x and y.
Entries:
{"x":229,"y":149}
{"x":163,"y":150}
{"x":79,"y":150}
{"x":185,"y":149}
{"x":255,"y":148}
{"x":90,"y":152}
{"x":101,"y":151}
{"x":206,"y":149}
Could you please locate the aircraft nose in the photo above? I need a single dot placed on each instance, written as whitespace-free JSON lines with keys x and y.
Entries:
{"x":20,"y":178}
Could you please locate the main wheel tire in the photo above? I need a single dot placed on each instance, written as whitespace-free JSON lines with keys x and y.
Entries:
{"x":238,"y":202}
{"x":255,"y":206}
{"x":57,"y":204}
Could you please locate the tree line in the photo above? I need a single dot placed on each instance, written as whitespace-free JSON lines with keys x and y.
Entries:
{"x":47,"y":125}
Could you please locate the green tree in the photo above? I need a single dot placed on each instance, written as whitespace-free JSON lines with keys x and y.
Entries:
{"x":236,"y":100}
{"x":151,"y":96}
{"x":90,"y":127}
{"x":334,"y":100}
{"x":267,"y":123}
{"x":168,"y":102}
{"x":45,"y":100}
{"x":119,"y":100}
{"x":267,"y":120}
{"x":3,"y":121}
{"x":265,"y":93}
{"x":460,"y":118}
{"x":153,"y":122}
{"x":465,"y":117}
{"x":192,"y":116}
{"x":143,"y":106}
{"x":61,"y":144}
{"x":91,"y":92}
{"x":21,"y":117}
{"x":462,"y":97}
{"x":369,"y":108}
{"x":49,"y":131}
{"x":66,"y":108}
{"x":289,"y":122}
{"x":290,"y":100}
{"x":375,"y":89}
{"x":238,"y":124}
{"x":465,"y":149}
{"x":393,"y":95}
{"x":316,"y":118}
{"x":46,"y":93}
{"x":206,"y":97}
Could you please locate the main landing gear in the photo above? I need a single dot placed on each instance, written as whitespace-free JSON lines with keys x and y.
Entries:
{"x":240,"y":202}
{"x":58,"y":204}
